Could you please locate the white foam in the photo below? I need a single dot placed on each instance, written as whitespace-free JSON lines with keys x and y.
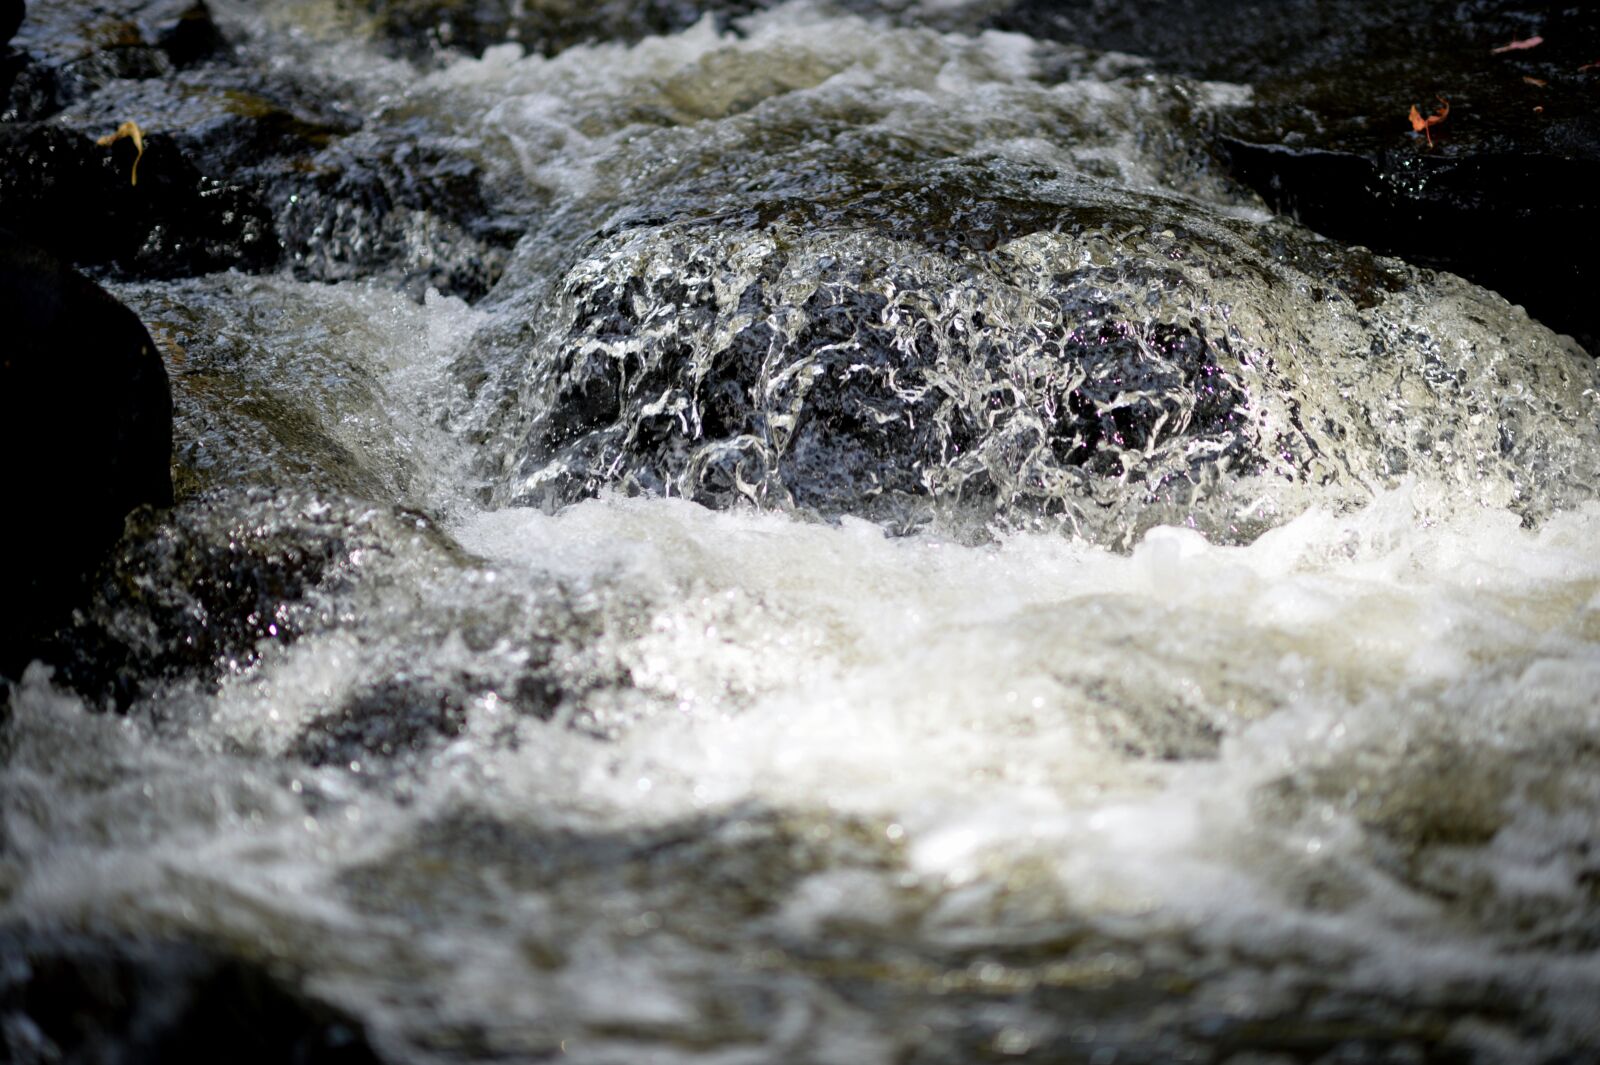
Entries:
{"x":911,"y":677}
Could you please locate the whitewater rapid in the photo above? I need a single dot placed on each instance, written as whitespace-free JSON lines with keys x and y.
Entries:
{"x":627,"y":778}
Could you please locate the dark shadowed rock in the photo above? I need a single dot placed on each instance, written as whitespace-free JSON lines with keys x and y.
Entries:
{"x":11,"y":15}
{"x":192,"y":36}
{"x":241,"y":168}
{"x":1508,"y":193}
{"x":1514,"y":222}
{"x":85,"y":436}
{"x":69,"y":51}
{"x":84,"y":200}
{"x":61,"y":189}
{"x":409,"y":206}
{"x":1231,"y":40}
{"x":417,"y":28}
{"x":338,"y":202}
{"x":73,"y":998}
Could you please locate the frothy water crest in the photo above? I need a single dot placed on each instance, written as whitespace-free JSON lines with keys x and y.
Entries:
{"x":949,"y":757}
{"x":605,"y":773}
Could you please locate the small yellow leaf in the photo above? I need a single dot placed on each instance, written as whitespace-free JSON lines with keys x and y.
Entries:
{"x":132,"y":131}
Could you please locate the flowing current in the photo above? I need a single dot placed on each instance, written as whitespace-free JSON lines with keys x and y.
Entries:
{"x":907,"y":565}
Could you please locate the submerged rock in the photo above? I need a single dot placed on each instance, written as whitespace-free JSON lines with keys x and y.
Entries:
{"x":390,"y":719}
{"x":222,"y":585}
{"x":85,"y":437}
{"x":208,"y":588}
{"x":1063,"y":352}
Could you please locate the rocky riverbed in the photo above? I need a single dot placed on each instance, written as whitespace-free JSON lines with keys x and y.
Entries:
{"x":811,"y":532}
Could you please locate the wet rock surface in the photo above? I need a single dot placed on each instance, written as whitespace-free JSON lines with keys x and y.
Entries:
{"x":1504,"y":193}
{"x":62,"y":189}
{"x":66,"y":52}
{"x":237,"y":167}
{"x":391,"y":719}
{"x":85,"y":437}
{"x":226,"y":583}
{"x":915,"y":350}
{"x":208,"y":588}
{"x":405,"y":206}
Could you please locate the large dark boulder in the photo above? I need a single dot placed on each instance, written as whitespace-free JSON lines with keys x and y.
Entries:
{"x":85,"y":437}
{"x":970,"y":347}
{"x":1508,"y":192}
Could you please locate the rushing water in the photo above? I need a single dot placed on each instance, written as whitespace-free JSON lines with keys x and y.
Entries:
{"x":641,"y":665}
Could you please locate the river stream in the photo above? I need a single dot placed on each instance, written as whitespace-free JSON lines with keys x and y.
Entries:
{"x":907,"y":565}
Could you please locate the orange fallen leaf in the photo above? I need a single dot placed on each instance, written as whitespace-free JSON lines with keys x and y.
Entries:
{"x":1517,"y":46}
{"x":1539,"y":82}
{"x":132,"y":131}
{"x":1589,"y":66}
{"x":1423,"y":125}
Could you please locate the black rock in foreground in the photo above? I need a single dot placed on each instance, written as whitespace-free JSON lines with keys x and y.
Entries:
{"x":77,"y":999}
{"x":11,"y":12}
{"x":85,"y":436}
